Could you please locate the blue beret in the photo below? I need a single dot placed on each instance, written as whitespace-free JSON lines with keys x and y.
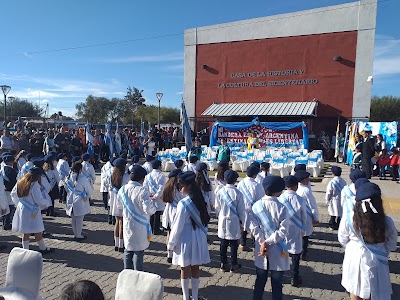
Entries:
{"x":119,"y":162}
{"x":337,"y":171}
{"x":135,"y":159}
{"x":201,"y":166}
{"x":300,"y":167}
{"x":150,"y":158}
{"x":359,"y":182}
{"x":359,"y":146}
{"x":124,"y":156}
{"x":75,"y":159}
{"x":86,"y":156}
{"x":178,"y":163}
{"x":174,"y":173}
{"x":273,"y":184}
{"x":193,"y":159}
{"x":8,"y":157}
{"x":48,"y":158}
{"x":29,"y":156}
{"x":265,"y":165}
{"x":156,"y":164}
{"x":187,"y":177}
{"x":60,"y":155}
{"x":290,"y":180}
{"x":301,"y":174}
{"x":36,"y":171}
{"x":356,"y":174}
{"x":252,"y":170}
{"x":230,"y":176}
{"x":112,"y":159}
{"x":255,"y":163}
{"x":52,"y":153}
{"x":138,"y":172}
{"x":38,"y":162}
{"x":5,"y":154}
{"x":368,"y":190}
{"x":223,"y":164}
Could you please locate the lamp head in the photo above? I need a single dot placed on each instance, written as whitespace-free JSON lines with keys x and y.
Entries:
{"x":5,"y":89}
{"x":159,"y":96}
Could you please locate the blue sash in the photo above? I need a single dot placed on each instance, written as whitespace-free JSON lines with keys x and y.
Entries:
{"x":246,"y":193}
{"x":294,"y":217}
{"x":3,"y":173}
{"x":309,"y":211}
{"x":194,"y":213}
{"x":267,"y":224}
{"x":350,"y":197}
{"x":114,"y":189}
{"x":137,"y":217}
{"x":152,"y":184}
{"x":228,"y":201}
{"x":32,"y":207}
{"x":73,"y":190}
{"x":336,"y":186}
{"x":88,"y":176}
{"x":63,"y":172}
{"x":380,"y":255}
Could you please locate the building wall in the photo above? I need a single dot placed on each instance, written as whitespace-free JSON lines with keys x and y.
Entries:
{"x":342,"y":22}
{"x":257,"y":71}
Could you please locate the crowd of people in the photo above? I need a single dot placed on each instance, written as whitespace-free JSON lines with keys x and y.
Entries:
{"x":279,"y":213}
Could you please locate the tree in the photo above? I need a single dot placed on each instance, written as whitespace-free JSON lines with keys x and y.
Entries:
{"x":134,"y":97}
{"x":21,"y":108}
{"x":385,"y":108}
{"x":96,"y":109}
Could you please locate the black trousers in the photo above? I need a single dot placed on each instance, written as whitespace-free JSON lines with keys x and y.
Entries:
{"x":105,"y":199}
{"x":305,"y":244}
{"x":367,"y":166}
{"x":224,"y":249}
{"x":155,"y":221}
{"x":63,"y":194}
{"x":294,"y":267}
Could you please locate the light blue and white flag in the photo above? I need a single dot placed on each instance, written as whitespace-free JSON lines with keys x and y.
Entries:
{"x":186,"y":131}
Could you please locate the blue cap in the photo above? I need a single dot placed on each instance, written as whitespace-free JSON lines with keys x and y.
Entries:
{"x":368,"y":190}
{"x":124,"y":156}
{"x":112,"y":159}
{"x":193,"y":159}
{"x":150,"y":158}
{"x":337,"y":171}
{"x":290,"y":181}
{"x":174,"y":173}
{"x":265,"y":165}
{"x":359,"y":182}
{"x":156,"y":164}
{"x":300,"y":167}
{"x":52,"y":153}
{"x":86,"y":157}
{"x":138,"y":173}
{"x":60,"y":155}
{"x":178,"y":163}
{"x":302,"y":174}
{"x":252,"y":170}
{"x":29,"y":156}
{"x":187,"y":177}
{"x":356,"y":174}
{"x":273,"y":184}
{"x":119,"y":162}
{"x":75,"y":159}
{"x":38,"y":162}
{"x":36,"y":171}
{"x":135,"y":159}
{"x":255,"y":163}
{"x":48,"y":158}
{"x":230,"y":176}
{"x":201,"y":166}
{"x":8,"y":157}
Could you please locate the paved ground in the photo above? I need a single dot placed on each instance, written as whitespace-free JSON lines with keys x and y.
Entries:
{"x":96,"y":260}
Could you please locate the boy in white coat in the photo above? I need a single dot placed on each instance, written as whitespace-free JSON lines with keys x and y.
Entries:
{"x":63,"y":172}
{"x":88,"y":169}
{"x":297,"y":215}
{"x":192,"y":164}
{"x":348,"y":194}
{"x":148,"y":164}
{"x":333,"y":197}
{"x":155,"y":182}
{"x":230,"y":209}
{"x":251,"y":191}
{"x":269,"y":225}
{"x":137,"y":208}
{"x":304,"y":190}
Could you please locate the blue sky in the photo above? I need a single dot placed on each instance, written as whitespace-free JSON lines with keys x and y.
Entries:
{"x":65,"y":78}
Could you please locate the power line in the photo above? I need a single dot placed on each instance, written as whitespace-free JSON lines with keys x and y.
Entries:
{"x":200,"y":30}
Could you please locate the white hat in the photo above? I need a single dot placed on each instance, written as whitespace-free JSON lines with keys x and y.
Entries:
{"x":24,"y":271}
{"x":133,"y":284}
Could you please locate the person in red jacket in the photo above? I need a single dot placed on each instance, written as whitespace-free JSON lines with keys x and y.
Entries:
{"x":394,"y":164}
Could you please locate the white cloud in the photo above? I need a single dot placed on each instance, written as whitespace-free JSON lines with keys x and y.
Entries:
{"x":175,"y":56}
{"x":177,"y":67}
{"x":387,"y":56}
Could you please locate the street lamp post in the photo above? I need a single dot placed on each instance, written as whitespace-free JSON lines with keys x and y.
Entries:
{"x":11,"y":100}
{"x":5,"y":89}
{"x":159,"y":96}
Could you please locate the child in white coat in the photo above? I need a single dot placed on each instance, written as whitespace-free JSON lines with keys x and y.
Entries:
{"x":63,"y":172}
{"x":88,"y":169}
{"x":205,"y":185}
{"x":269,"y":226}
{"x":333,"y":197}
{"x":368,"y":236}
{"x":230,"y":210}
{"x":348,"y":194}
{"x":219,"y":180}
{"x":79,"y":190}
{"x":53,"y":178}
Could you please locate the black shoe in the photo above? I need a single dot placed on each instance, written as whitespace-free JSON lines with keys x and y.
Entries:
{"x":121,"y":250}
{"x":116,"y":249}
{"x":110,"y":222}
{"x":47,"y":251}
{"x":45,"y":234}
{"x":304,"y":256}
{"x":80,"y":239}
{"x":7,"y":227}
{"x":234,"y":268}
{"x":157,"y":232}
{"x":296,"y":281}
{"x":224,"y":268}
{"x":2,"y":247}
{"x":169,"y":260}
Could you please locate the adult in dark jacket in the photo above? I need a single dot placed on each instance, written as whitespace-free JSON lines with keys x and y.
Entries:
{"x":368,"y":151}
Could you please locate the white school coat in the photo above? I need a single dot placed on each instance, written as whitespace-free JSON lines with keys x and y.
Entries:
{"x":255,"y":190}
{"x":3,"y":198}
{"x":53,"y":177}
{"x":228,"y":222}
{"x":76,"y":204}
{"x":25,"y":169}
{"x":23,"y":221}
{"x":278,"y":215}
{"x":168,"y":216}
{"x":294,"y":238}
{"x":46,"y":188}
{"x":104,"y":173}
{"x":333,"y":197}
{"x":259,"y":179}
{"x":88,"y":171}
{"x":159,"y":179}
{"x":63,"y":171}
{"x":20,"y":163}
{"x":115,"y":204}
{"x":348,"y":195}
{"x":305,"y":192}
{"x":190,"y":167}
{"x":135,"y":234}
{"x":209,"y":198}
{"x":189,"y":245}
{"x":148,"y":167}
{"x":363,"y":275}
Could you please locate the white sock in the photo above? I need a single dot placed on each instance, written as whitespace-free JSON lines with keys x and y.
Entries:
{"x":116,"y":241}
{"x":25,"y":244}
{"x":79,"y":226}
{"x":73,"y":224}
{"x":41,"y":244}
{"x":121,"y":243}
{"x":195,"y":288}
{"x":185,"y":288}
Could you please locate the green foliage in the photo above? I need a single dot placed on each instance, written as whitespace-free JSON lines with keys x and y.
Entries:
{"x":385,"y":109}
{"x":22,"y":108}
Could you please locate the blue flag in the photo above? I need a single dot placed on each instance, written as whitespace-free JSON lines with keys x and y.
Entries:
{"x":118,"y":147}
{"x":141,"y":127}
{"x":186,"y":131}
{"x":89,"y":140}
{"x":108,"y":139}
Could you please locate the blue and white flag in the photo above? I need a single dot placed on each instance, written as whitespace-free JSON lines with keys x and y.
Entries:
{"x":89,"y":140}
{"x":186,"y":131}
{"x":118,"y":147}
{"x":141,"y":127}
{"x":108,"y":139}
